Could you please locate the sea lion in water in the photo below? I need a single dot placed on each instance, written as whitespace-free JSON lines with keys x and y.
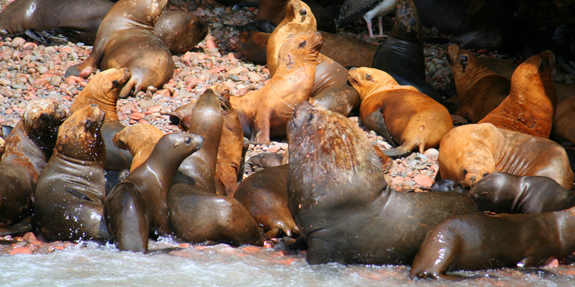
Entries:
{"x":530,"y":106}
{"x":506,"y":193}
{"x":137,"y":206}
{"x":341,"y":202}
{"x":197,"y":213}
{"x":103,"y":90}
{"x":126,"y":39}
{"x":28,"y":148}
{"x":69,"y":197}
{"x":470,"y":152}
{"x":480,"y":241}
{"x":479,"y":90}
{"x":399,"y":112}
{"x":264,"y":113}
{"x":180,"y":31}
{"x":264,"y":194}
{"x":139,"y":140}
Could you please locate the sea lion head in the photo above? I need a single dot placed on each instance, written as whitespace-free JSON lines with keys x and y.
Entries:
{"x":462,"y":61}
{"x":182,"y":143}
{"x":80,"y":136}
{"x":535,"y":73}
{"x":300,"y":49}
{"x":366,"y":80}
{"x":496,"y":190}
{"x":111,"y":81}
{"x":407,"y":23}
{"x":42,"y":118}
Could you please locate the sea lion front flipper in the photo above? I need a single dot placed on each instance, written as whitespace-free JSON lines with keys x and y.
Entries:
{"x":376,"y":122}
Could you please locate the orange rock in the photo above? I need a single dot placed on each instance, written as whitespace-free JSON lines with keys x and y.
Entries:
{"x":251,"y":249}
{"x":30,"y":237}
{"x":423,"y":180}
{"x":20,"y":250}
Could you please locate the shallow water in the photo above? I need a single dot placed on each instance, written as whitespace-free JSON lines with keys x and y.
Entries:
{"x":222,"y":265}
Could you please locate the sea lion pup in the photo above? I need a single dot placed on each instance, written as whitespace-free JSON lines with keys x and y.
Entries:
{"x":76,"y":21}
{"x":399,"y":112}
{"x":197,"y":213}
{"x":470,"y":152}
{"x":264,"y":194}
{"x":28,"y":148}
{"x":137,"y":206}
{"x":180,"y":31}
{"x":140,"y":140}
{"x":69,"y":197}
{"x":506,"y":193}
{"x":479,"y":90}
{"x":265,"y":113}
{"x":481,"y":241}
{"x":341,"y":202}
{"x":401,"y":55}
{"x":563,"y":124}
{"x":126,"y":39}
{"x":103,"y":90}
{"x":530,"y":106}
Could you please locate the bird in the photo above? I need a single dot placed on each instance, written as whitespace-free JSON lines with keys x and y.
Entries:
{"x":366,"y":9}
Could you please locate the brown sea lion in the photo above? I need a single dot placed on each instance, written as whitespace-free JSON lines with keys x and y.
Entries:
{"x":264,"y":113}
{"x":264,"y":194}
{"x":137,"y":206}
{"x":180,"y":31}
{"x":264,"y":160}
{"x":139,"y":140}
{"x":563,"y":123}
{"x":126,"y":39}
{"x":77,"y":21}
{"x":482,"y":241}
{"x":253,"y":45}
{"x":69,"y":197}
{"x":341,"y":201}
{"x":530,"y":106}
{"x":479,"y":90}
{"x":275,"y":12}
{"x":399,"y":112}
{"x":470,"y":152}
{"x":197,"y":213}
{"x":28,"y":148}
{"x":103,"y":90}
{"x":506,"y":193}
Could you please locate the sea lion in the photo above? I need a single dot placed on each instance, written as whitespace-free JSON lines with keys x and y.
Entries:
{"x":264,"y":194}
{"x":264,"y":113}
{"x":28,"y":148}
{"x":506,"y":193}
{"x":77,"y":21}
{"x":137,"y":206}
{"x":399,"y":112}
{"x":401,"y":55}
{"x":479,"y":90}
{"x":126,"y":39}
{"x":563,"y":124}
{"x":275,"y":12}
{"x":139,"y":140}
{"x":470,"y":152}
{"x":264,"y":160}
{"x":180,"y":31}
{"x":253,"y":46}
{"x":530,"y":106}
{"x":341,"y":201}
{"x":482,"y":241}
{"x":197,"y":213}
{"x":69,"y":197}
{"x":103,"y":90}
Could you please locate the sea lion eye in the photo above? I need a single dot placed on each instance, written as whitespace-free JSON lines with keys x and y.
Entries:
{"x":302,"y":44}
{"x":368,"y":77}
{"x":464,"y":171}
{"x":302,"y":12}
{"x":486,"y":174}
{"x":464,"y":60}
{"x":187,"y":140}
{"x":88,"y":124}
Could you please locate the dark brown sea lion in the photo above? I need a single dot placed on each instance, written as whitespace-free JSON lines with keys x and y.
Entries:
{"x":139,"y":140}
{"x":264,"y":160}
{"x":506,"y":193}
{"x":401,"y":55}
{"x":341,"y":201}
{"x":126,"y":39}
{"x":563,"y":123}
{"x":264,"y":113}
{"x":479,"y":90}
{"x":470,"y":152}
{"x":69,"y":197}
{"x":398,"y":112}
{"x":264,"y":194}
{"x":28,"y":148}
{"x":481,"y":241}
{"x":77,"y":21}
{"x":103,"y":90}
{"x":180,"y":31}
{"x":253,"y":45}
{"x":197,"y":213}
{"x":137,"y":206}
{"x":530,"y":106}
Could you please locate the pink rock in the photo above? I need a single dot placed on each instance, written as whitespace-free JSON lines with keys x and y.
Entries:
{"x":30,"y":237}
{"x":136,"y":116}
{"x":254,"y":77}
{"x":423,"y":180}
{"x":273,"y":149}
{"x":398,"y":180}
{"x":20,"y":250}
{"x":18,"y":41}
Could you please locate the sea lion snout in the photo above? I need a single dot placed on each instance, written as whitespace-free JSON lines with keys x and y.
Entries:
{"x":547,"y":61}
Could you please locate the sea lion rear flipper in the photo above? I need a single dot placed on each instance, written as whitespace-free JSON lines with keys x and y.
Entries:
{"x":39,"y":37}
{"x":376,"y":122}
{"x":21,"y":227}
